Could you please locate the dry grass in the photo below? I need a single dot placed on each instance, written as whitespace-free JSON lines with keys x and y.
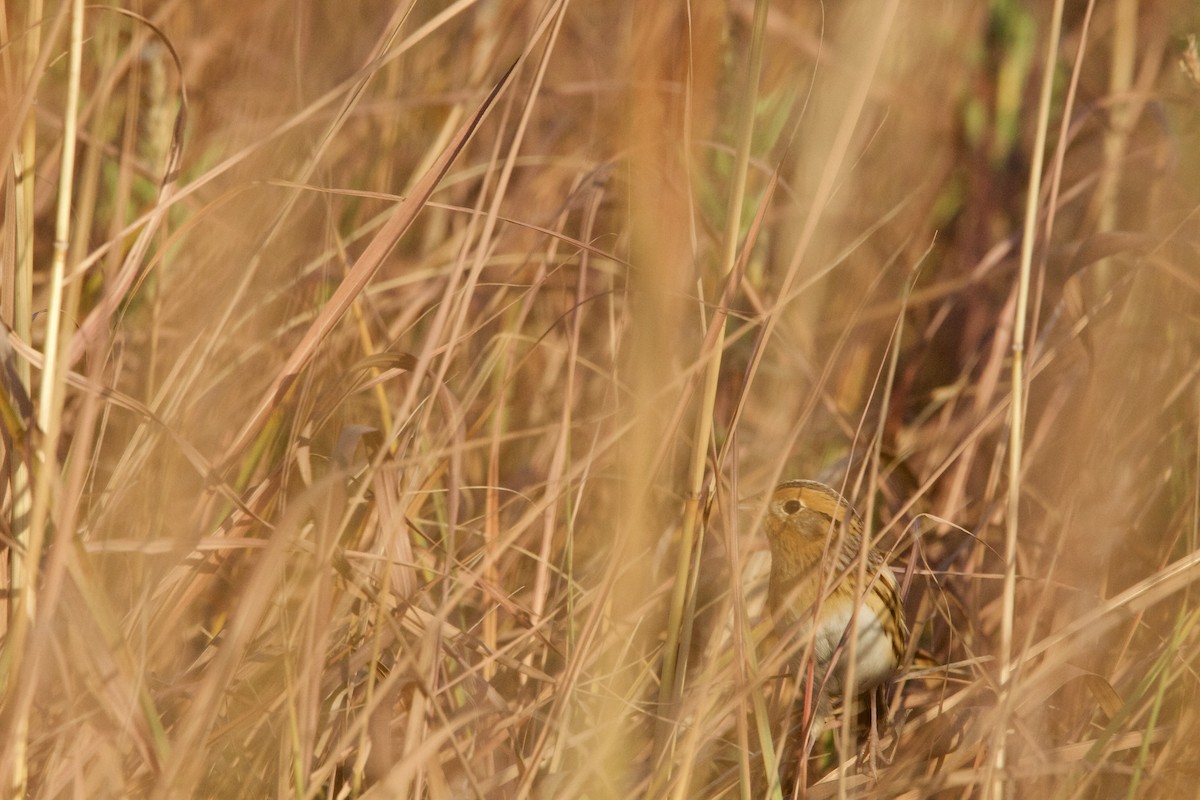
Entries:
{"x":392,"y":445}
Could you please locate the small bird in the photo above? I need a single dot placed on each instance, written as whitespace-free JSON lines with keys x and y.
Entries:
{"x":816,"y":541}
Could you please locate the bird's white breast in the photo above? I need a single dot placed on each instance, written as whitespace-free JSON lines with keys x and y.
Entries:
{"x":874,"y":659}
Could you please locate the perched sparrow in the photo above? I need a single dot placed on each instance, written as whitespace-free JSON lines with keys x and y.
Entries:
{"x":816,"y":539}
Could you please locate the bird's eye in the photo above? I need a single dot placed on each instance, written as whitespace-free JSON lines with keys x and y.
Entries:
{"x":792,"y":506}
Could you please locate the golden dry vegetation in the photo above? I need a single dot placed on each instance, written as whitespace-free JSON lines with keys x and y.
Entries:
{"x":387,"y":387}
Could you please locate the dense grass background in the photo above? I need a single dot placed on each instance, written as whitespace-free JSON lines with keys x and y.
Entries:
{"x":382,"y":381}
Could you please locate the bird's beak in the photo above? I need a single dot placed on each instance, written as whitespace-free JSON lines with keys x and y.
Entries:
{"x":752,"y":502}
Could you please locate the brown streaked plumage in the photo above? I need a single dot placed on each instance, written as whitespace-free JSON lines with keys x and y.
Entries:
{"x":801,"y":517}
